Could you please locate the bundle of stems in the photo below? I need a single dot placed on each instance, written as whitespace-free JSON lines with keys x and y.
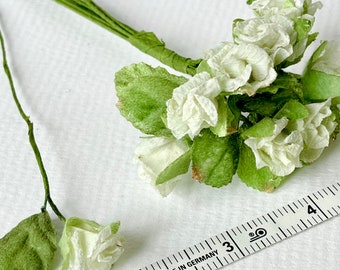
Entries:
{"x":147,"y":42}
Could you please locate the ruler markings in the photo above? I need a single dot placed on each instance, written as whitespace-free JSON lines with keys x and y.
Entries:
{"x":185,"y":252}
{"x":202,"y":246}
{"x":197,"y":248}
{"x":275,"y":214}
{"x":330,"y":213}
{"x":305,"y":200}
{"x":331,"y":190}
{"x":271,"y":218}
{"x":239,"y":229}
{"x":247,"y":250}
{"x":311,"y":224}
{"x":299,"y":227}
{"x":291,"y":209}
{"x":169,"y":260}
{"x":320,"y":194}
{"x":165,"y":264}
{"x":295,"y":206}
{"x":284,"y":208}
{"x":218,"y":259}
{"x":282,"y":232}
{"x":280,"y":212}
{"x":256,"y":234}
{"x":259,"y":220}
{"x":235,"y":244}
{"x":300,"y":203}
{"x":232,"y":259}
{"x":278,"y":235}
{"x":274,"y":239}
{"x":218,"y":239}
{"x":208,"y":245}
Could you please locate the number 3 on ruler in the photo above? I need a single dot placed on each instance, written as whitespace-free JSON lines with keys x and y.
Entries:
{"x":228,"y":246}
{"x":311,"y":210}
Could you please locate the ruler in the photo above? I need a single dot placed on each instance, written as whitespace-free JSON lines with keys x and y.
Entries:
{"x":246,"y":239}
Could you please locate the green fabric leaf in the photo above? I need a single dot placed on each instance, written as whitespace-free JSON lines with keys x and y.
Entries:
{"x":270,"y":100}
{"x":143,"y":91}
{"x":293,"y":110}
{"x":318,"y":85}
{"x":227,"y":122}
{"x":261,"y":179}
{"x":115,"y":227}
{"x":214,"y":158}
{"x":287,"y":81}
{"x":178,"y":167}
{"x":30,"y":245}
{"x":304,"y":39}
{"x":264,"y":128}
{"x":302,"y":27}
{"x":204,"y":67}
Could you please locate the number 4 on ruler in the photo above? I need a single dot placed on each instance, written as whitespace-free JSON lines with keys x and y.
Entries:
{"x":311,"y":210}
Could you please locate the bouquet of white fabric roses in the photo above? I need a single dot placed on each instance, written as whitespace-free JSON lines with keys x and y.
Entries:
{"x":241,"y":112}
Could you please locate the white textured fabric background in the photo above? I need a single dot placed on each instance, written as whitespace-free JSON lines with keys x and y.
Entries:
{"x":64,"y":68}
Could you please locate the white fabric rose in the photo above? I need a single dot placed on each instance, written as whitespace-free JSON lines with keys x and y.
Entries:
{"x":316,"y":130}
{"x":154,"y":154}
{"x":288,"y":8}
{"x":193,"y":106}
{"x":274,"y":34}
{"x":241,"y":68}
{"x":280,"y":152}
{"x":86,"y":245}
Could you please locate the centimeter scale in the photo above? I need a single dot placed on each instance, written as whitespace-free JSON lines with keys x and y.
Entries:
{"x":257,"y":234}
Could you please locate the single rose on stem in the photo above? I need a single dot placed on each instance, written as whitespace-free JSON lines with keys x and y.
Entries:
{"x":86,"y":245}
